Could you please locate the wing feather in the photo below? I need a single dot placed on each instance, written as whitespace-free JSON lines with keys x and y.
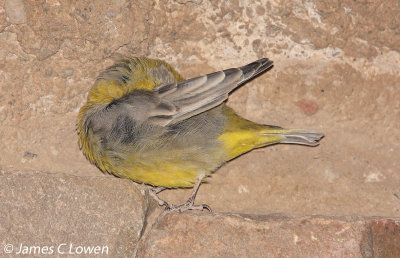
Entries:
{"x":196,"y":95}
{"x":173,"y":102}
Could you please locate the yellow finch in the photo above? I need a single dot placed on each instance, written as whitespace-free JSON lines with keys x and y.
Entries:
{"x":145,"y":122}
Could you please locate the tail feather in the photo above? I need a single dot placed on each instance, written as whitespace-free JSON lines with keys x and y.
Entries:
{"x":303,"y":137}
{"x":310,"y":138}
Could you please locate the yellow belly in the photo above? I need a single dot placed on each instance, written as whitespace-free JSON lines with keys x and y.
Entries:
{"x":164,"y":168}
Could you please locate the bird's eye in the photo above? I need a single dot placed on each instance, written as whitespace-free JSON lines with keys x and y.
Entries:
{"x":113,"y":103}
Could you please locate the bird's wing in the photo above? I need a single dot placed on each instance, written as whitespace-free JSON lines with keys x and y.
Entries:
{"x":181,"y":100}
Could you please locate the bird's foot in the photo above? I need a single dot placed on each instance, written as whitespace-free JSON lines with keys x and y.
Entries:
{"x":188,"y":205}
{"x":153,"y":193}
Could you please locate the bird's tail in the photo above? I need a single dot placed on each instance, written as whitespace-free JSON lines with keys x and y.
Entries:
{"x":295,"y":136}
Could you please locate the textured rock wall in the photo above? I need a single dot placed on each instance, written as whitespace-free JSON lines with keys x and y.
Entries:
{"x":61,"y":215}
{"x":336,"y":70}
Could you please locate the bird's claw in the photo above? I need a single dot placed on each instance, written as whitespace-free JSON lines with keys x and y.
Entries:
{"x":185,"y":207}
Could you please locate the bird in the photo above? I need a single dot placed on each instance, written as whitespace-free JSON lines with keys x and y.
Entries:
{"x":143,"y":121}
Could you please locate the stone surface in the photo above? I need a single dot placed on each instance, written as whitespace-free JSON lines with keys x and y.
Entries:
{"x":44,"y":213}
{"x":335,"y":70}
{"x":53,"y":214}
{"x":206,"y":235}
{"x":385,"y":238}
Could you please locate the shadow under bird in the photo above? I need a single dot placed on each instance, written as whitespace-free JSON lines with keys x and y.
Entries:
{"x":145,"y":122}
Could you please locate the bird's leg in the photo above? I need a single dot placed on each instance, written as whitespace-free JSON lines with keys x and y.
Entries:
{"x":189,"y":204}
{"x":153,"y":193}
